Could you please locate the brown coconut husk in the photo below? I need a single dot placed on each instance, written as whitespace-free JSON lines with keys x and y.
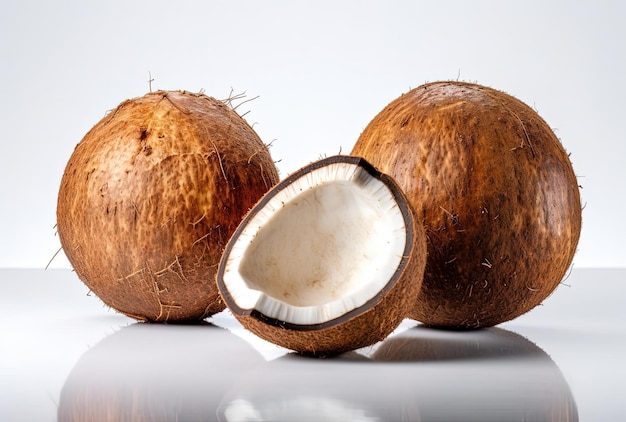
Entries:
{"x":151,"y":195}
{"x":495,"y":190}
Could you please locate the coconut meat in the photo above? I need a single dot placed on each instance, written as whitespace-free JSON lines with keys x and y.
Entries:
{"x":324,"y":245}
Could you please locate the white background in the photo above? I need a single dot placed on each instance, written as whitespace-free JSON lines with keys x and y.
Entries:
{"x":321,"y":70}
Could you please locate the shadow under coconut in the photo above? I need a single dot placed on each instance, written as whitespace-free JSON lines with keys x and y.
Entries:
{"x":423,"y":344}
{"x":418,"y":375}
{"x":156,"y":372}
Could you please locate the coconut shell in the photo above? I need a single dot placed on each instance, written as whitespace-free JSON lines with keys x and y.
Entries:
{"x":151,"y":195}
{"x":364,"y":326}
{"x":495,"y":190}
{"x":353,"y":332}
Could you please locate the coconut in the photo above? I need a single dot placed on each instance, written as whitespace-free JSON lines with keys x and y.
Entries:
{"x":151,"y":195}
{"x":495,"y":190}
{"x":328,"y":261}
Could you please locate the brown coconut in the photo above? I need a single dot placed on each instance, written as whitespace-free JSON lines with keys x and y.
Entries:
{"x":151,"y":195}
{"x":496,"y":192}
{"x":329,"y":260}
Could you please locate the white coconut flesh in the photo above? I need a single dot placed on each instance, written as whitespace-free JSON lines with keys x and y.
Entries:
{"x":324,"y":245}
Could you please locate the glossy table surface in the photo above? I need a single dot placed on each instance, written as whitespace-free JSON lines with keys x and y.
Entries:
{"x":66,"y":356}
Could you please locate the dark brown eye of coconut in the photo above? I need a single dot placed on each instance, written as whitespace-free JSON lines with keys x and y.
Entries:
{"x":327,"y":261}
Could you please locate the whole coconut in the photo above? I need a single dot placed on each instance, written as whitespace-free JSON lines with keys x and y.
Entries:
{"x":497,"y":194}
{"x":151,"y":195}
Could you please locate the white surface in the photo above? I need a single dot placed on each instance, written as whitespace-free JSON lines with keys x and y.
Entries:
{"x":59,"y":344}
{"x":321,"y":69}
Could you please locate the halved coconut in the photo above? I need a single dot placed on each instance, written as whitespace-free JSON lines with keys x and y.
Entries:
{"x":327,"y":261}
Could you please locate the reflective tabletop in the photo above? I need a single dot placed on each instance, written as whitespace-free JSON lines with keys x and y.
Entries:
{"x":65,"y":356}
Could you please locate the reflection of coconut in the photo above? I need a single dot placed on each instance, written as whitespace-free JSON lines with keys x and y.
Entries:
{"x":149,"y":372}
{"x":486,"y":375}
{"x":418,"y":375}
{"x":297,"y":388}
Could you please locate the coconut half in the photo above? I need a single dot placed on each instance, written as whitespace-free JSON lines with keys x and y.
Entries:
{"x":327,"y":261}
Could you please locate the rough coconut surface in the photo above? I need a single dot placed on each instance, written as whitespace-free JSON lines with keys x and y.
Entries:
{"x":150,"y":197}
{"x":363,"y":324}
{"x":496,"y":192}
